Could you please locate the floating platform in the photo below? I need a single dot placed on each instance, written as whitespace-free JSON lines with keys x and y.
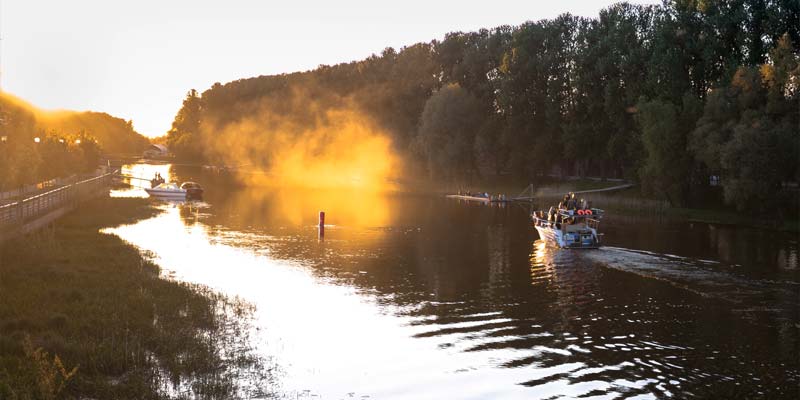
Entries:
{"x":527,"y":195}
{"x":478,"y":198}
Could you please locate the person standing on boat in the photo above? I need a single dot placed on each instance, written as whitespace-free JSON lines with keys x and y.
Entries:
{"x":563,"y":204}
{"x":572,"y":203}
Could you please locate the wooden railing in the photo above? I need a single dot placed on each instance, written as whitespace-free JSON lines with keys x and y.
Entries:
{"x":28,"y":209}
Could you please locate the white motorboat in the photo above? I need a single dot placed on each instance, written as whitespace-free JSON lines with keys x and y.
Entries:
{"x":171,"y":191}
{"x":569,"y":229}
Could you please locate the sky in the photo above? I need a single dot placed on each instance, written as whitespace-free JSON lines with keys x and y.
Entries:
{"x":137,"y":59}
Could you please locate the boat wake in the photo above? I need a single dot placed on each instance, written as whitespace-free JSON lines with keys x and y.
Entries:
{"x":779,"y":299}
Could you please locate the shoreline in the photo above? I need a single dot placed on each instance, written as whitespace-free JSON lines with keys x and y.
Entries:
{"x":85,"y":314}
{"x":621,"y":200}
{"x":630,"y":203}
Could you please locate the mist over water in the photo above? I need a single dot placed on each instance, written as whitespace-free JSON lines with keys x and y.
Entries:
{"x":423,"y":297}
{"x":306,"y":138}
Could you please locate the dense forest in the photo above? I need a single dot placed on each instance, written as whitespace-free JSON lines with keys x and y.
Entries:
{"x":68,"y":142}
{"x":693,"y":99}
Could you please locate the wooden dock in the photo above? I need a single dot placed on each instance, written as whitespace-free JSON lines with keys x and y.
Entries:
{"x":526,"y":195}
{"x":468,"y":198}
{"x":478,"y":198}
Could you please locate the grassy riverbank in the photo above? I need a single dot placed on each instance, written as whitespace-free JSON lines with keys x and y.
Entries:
{"x":85,"y":315}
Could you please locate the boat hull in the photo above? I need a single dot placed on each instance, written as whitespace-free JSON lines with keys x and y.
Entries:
{"x":569,"y":240}
{"x":166,"y":194}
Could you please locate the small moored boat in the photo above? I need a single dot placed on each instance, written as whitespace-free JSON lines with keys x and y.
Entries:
{"x":171,"y":191}
{"x":193,"y":190}
{"x":569,"y":229}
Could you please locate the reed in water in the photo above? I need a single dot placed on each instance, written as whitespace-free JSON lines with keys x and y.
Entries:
{"x":84,"y":312}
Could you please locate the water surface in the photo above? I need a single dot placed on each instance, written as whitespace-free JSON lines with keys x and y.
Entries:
{"x":421,"y":297}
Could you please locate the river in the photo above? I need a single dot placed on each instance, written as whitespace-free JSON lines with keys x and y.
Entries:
{"x":421,"y":297}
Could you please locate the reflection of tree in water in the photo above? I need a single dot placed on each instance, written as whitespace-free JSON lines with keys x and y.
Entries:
{"x":471,"y":279}
{"x":450,"y":254}
{"x":498,"y":286}
{"x":189,"y":212}
{"x":787,"y":258}
{"x":270,"y":208}
{"x":568,"y":281}
{"x":758,"y":251}
{"x":754,"y":252}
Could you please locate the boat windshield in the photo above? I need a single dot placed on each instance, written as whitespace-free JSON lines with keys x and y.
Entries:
{"x":168,"y":186}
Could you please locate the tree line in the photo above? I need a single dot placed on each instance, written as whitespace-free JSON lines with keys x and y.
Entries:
{"x":36,"y":146}
{"x":685,"y":97}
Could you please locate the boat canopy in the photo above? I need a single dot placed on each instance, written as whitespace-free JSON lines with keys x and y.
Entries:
{"x":191,"y":185}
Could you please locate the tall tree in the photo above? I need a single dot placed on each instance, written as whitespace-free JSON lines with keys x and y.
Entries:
{"x":185,"y":138}
{"x":448,"y":126}
{"x":667,"y":163}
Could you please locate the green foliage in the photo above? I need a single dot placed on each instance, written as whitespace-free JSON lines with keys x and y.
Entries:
{"x":69,"y":143}
{"x":450,"y":121}
{"x":753,"y":162}
{"x":748,"y":132}
{"x":39,"y":376}
{"x":661,"y":171}
{"x":559,"y":96}
{"x":667,"y":163}
{"x":19,"y":159}
{"x":114,"y":135}
{"x":184,"y":137}
{"x":491,"y":146}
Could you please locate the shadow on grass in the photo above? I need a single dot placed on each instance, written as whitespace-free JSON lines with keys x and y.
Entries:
{"x":85,"y":315}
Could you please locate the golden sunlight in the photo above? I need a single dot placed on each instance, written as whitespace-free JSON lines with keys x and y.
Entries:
{"x":332,"y":145}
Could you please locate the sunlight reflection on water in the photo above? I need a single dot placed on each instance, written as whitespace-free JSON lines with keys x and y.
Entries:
{"x":423,"y":298}
{"x":312,"y":327}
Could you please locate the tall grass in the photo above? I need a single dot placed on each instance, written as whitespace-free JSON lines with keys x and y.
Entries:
{"x":85,"y":315}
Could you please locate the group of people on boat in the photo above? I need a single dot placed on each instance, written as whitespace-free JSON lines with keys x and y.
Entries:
{"x":157,"y":180}
{"x":569,"y":202}
{"x":573,"y":224}
{"x":567,"y":209}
